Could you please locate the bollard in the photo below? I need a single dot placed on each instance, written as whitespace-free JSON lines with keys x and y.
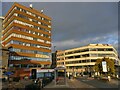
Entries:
{"x":109,"y":78}
{"x":117,"y":76}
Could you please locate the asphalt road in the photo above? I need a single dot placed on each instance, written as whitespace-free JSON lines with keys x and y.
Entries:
{"x":84,"y":83}
{"x":99,"y":83}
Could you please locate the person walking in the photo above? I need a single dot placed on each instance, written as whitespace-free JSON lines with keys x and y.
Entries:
{"x":39,"y":82}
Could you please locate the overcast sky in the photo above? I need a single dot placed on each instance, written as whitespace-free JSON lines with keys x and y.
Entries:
{"x":75,"y":24}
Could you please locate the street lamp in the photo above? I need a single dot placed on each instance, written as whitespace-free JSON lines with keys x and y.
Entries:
{"x":54,"y":48}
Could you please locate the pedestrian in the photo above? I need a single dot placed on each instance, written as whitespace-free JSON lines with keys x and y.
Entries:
{"x":81,"y":74}
{"x":69,"y":76}
{"x":39,"y":83}
{"x":36,"y":81}
{"x":11,"y":86}
{"x":109,"y":78}
{"x":57,"y":80}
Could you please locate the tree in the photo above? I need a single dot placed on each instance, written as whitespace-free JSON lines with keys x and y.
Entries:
{"x":110,"y":66}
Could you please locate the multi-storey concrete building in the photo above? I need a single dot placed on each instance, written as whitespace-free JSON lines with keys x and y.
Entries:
{"x":60,"y":58}
{"x":53,"y":65}
{"x":1,"y":20}
{"x":82,"y":58}
{"x":3,"y":50}
{"x":27,"y":35}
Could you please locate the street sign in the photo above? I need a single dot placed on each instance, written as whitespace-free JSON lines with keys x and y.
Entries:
{"x":104,"y":66}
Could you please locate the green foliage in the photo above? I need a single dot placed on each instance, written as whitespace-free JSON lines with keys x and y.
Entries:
{"x":110,"y":65}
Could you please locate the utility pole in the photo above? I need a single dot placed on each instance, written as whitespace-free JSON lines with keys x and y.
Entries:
{"x":54,"y":49}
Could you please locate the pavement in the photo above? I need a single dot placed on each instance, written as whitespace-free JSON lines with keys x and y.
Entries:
{"x":52,"y":85}
{"x":81,"y":82}
{"x":86,"y":83}
{"x":71,"y":83}
{"x":98,"y":83}
{"x":20,"y":84}
{"x":0,"y":84}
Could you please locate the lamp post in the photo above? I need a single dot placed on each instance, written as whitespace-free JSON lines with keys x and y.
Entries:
{"x":54,"y":49}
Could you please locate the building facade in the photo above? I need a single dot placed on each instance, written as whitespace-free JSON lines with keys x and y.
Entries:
{"x":1,"y":20}
{"x":82,"y":58}
{"x":27,"y":35}
{"x":53,"y":61}
{"x":4,"y":52}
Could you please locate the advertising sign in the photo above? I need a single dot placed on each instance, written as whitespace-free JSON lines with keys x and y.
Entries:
{"x":44,"y":73}
{"x":104,"y":66}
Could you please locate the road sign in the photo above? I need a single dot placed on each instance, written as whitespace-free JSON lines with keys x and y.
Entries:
{"x":104,"y":66}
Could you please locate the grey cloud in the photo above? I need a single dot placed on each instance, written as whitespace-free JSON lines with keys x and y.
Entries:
{"x":78,"y":43}
{"x":60,"y":0}
{"x":81,"y":23}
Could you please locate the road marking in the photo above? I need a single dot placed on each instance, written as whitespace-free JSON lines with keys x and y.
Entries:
{"x":85,"y":80}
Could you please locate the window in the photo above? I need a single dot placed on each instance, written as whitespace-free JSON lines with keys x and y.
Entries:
{"x":18,"y":8}
{"x":29,"y":13}
{"x":93,"y":49}
{"x":109,"y":49}
{"x":83,"y":61}
{"x":35,"y":21}
{"x":39,"y":17}
{"x":80,"y":61}
{"x":77,"y":51}
{"x":93,"y":60}
{"x":15,"y":14}
{"x":70,"y":57}
{"x":93,"y":55}
{"x":77,"y":56}
{"x":39,"y":22}
{"x":35,"y":52}
{"x":84,"y":50}
{"x":85,"y":55}
{"x":36,"y":27}
{"x":42,"y":18}
{"x":24,"y":10}
{"x":49,"y":26}
{"x":100,"y":49}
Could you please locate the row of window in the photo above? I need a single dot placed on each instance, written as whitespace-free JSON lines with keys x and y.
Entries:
{"x":60,"y":59}
{"x":102,"y":55}
{"x":29,"y":25}
{"x":85,"y":61}
{"x":32,"y":20}
{"x":28,"y":51}
{"x":27,"y":31}
{"x":19,"y":36}
{"x":77,"y":67}
{"x":91,"y":49}
{"x":116,"y":62}
{"x":87,"y":55}
{"x":32,"y":14}
{"x":80,"y":61}
{"x":77,"y":51}
{"x":60,"y":54}
{"x":78,"y":56}
{"x":31,"y":32}
{"x":25,"y":65}
{"x":28,"y":58}
{"x":60,"y":63}
{"x":26,"y":37}
{"x":27,"y":12}
{"x":28,"y":44}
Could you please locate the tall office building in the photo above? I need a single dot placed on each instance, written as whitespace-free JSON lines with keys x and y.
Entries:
{"x":27,"y":35}
{"x":82,"y":58}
